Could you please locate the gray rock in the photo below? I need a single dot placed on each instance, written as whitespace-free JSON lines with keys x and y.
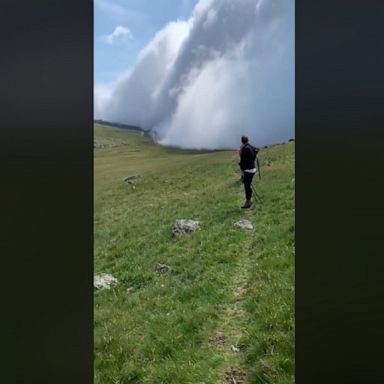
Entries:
{"x":244,"y":224}
{"x":183,"y":226}
{"x":162,"y":268}
{"x":104,"y":281}
{"x":131,"y":178}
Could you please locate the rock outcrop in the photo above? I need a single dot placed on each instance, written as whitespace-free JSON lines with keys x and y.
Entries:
{"x":104,"y":281}
{"x":244,"y":224}
{"x":183,"y":226}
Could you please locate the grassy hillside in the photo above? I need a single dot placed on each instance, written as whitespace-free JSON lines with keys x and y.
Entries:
{"x":226,"y":286}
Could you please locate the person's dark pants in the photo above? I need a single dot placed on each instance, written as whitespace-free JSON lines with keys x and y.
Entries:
{"x":247,"y":184}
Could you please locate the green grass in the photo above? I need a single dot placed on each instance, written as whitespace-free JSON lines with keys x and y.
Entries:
{"x":155,"y":328}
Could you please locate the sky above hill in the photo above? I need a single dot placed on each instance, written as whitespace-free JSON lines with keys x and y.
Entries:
{"x":123,"y":27}
{"x":197,"y":73}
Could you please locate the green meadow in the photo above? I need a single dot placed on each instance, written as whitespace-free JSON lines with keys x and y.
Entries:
{"x":226,"y":286}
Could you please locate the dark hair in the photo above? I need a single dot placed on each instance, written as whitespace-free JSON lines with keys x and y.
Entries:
{"x":244,"y":139}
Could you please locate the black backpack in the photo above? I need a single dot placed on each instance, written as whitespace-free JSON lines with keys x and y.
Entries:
{"x":255,"y":151}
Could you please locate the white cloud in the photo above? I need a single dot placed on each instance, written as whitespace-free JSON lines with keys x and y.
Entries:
{"x":119,"y":34}
{"x":202,"y":83}
{"x":102,"y":95}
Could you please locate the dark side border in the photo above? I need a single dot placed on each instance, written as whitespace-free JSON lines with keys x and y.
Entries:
{"x":47,"y":192}
{"x":46,"y":159}
{"x":339,"y":192}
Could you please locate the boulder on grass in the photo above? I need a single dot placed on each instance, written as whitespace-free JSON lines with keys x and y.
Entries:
{"x":183,"y":226}
{"x":161,"y":268}
{"x":244,"y":224}
{"x":131,"y":179}
{"x":104,"y":281}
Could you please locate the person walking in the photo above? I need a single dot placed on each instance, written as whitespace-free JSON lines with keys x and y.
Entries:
{"x":247,"y":165}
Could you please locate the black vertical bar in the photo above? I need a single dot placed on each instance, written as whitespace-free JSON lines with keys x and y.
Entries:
{"x":46,"y":162}
{"x":339,"y":191}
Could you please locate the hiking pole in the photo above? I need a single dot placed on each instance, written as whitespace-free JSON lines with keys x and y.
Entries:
{"x":254,"y":192}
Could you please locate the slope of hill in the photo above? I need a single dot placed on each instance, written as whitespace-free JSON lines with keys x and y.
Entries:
{"x":226,"y":286}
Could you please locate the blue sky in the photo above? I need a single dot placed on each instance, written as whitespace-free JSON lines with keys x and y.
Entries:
{"x":123,"y":27}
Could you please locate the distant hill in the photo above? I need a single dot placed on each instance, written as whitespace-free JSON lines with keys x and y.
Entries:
{"x":119,"y":125}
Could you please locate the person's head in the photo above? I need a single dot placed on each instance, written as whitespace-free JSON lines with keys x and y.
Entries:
{"x":244,"y":139}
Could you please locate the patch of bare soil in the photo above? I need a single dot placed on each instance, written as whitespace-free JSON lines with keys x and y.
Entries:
{"x":217,"y":339}
{"x":234,"y":376}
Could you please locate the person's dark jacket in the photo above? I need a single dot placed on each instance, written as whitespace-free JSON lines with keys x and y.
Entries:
{"x":247,"y":157}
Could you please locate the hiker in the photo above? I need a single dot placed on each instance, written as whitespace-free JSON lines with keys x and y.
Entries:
{"x":239,"y":152}
{"x":247,"y":165}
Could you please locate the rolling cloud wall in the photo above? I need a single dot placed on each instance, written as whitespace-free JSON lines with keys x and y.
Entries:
{"x":202,"y":83}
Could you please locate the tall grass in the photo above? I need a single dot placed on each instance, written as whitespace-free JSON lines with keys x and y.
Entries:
{"x":156,"y":328}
